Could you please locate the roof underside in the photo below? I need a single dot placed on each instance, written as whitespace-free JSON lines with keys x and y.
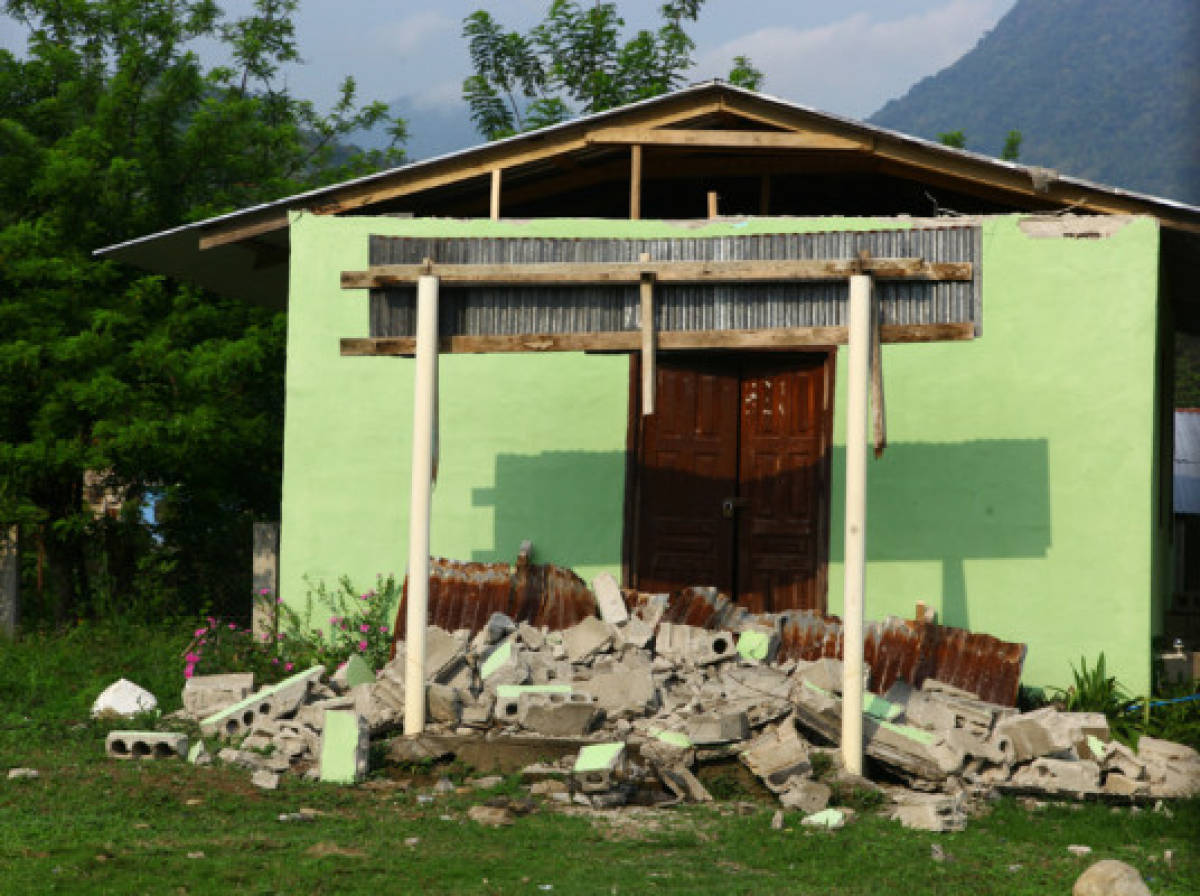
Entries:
{"x":759,"y":155}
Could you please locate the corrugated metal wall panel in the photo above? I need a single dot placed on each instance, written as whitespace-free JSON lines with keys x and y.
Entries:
{"x":515,"y":310}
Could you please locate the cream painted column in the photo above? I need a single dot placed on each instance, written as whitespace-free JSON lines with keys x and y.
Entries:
{"x":421,"y":497}
{"x":859,"y":367}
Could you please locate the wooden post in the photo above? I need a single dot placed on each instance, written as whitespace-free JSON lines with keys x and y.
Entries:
{"x":494,"y":206}
{"x":420,"y":504}
{"x":265,"y":576}
{"x":10,"y":581}
{"x":878,"y":406}
{"x":858,"y":368}
{"x":764,"y":195}
{"x":649,"y":376}
{"x":635,"y":182}
{"x":712,"y":203}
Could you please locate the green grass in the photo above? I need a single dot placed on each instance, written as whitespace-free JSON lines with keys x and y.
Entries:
{"x":92,"y":825}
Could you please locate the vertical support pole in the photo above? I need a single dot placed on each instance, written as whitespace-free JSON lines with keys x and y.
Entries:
{"x":10,"y":581}
{"x":859,"y":364}
{"x":649,"y":374}
{"x":712,"y":203}
{"x":494,"y":205}
{"x":764,"y":195}
{"x":635,"y":182}
{"x":265,"y":576}
{"x":421,"y":499}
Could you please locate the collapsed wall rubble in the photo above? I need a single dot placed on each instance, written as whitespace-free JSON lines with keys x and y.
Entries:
{"x":633,"y":707}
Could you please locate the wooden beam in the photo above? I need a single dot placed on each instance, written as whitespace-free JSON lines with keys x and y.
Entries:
{"x":494,"y":203}
{"x":782,"y":339}
{"x":720,"y":139}
{"x":635,"y":182}
{"x":713,"y":204}
{"x":236,"y":231}
{"x":630,"y":272}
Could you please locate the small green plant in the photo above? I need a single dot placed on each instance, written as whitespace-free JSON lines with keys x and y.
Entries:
{"x":822,"y":764}
{"x":855,"y":796}
{"x":1094,"y":690}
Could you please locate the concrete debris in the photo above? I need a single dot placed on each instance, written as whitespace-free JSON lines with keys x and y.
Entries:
{"x":345,"y":747}
{"x":145,"y":745}
{"x":123,"y":698}
{"x":587,"y":638}
{"x":830,"y":819}
{"x":930,"y":812}
{"x":23,"y":773}
{"x":777,"y":757}
{"x":266,"y":779}
{"x":809,"y":797}
{"x":491,"y":816}
{"x":598,"y":767}
{"x":204,"y":695}
{"x":683,"y":784}
{"x":609,"y":602}
{"x":1110,"y":877}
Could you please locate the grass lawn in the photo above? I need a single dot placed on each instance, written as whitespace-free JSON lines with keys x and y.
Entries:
{"x":93,"y":825}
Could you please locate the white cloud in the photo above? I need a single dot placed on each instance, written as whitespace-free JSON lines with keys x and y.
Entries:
{"x":854,"y":65}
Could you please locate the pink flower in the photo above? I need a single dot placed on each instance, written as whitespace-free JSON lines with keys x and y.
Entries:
{"x":275,"y":661}
{"x":280,"y":636}
{"x":335,"y":620}
{"x":279,"y":600}
{"x":200,"y":632}
{"x":266,"y":637}
{"x":264,"y":590}
{"x":192,"y":658}
{"x":287,"y":667}
{"x":362,"y":645}
{"x":383,"y":628}
{"x":233,"y":626}
{"x":364,"y":628}
{"x":212,"y":623}
{"x":189,"y":670}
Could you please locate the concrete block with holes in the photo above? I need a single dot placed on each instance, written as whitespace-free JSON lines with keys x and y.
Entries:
{"x":276,"y":701}
{"x":146,"y":745}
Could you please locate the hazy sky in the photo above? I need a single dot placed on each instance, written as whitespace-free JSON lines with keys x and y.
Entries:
{"x":847,"y":57}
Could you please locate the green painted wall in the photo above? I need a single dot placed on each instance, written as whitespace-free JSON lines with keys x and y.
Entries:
{"x":1016,"y":495}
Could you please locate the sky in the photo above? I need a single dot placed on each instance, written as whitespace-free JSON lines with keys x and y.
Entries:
{"x":848,"y":57}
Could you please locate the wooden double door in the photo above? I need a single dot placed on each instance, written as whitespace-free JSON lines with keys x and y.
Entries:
{"x":731,"y":484}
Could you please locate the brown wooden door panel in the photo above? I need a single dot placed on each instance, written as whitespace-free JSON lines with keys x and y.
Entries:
{"x":751,"y":427}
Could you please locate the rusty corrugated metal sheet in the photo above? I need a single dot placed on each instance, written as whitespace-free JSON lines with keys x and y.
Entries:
{"x":914,"y":651}
{"x":466,"y":594}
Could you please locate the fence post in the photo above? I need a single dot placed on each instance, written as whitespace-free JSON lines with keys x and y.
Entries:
{"x":266,"y":577}
{"x":10,"y":581}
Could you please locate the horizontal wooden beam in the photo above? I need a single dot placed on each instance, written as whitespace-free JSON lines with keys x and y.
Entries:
{"x":630,"y":272}
{"x":237,"y":231}
{"x":678,"y":340}
{"x":722,"y":139}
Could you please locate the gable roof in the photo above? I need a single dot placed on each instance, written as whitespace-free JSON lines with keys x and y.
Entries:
{"x":244,"y":253}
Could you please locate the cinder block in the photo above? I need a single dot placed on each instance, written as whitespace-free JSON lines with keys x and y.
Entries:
{"x":504,"y":665}
{"x":508,"y":698}
{"x":757,"y":645}
{"x":624,"y":689}
{"x":145,"y":745}
{"x":777,"y":757}
{"x":930,"y":812}
{"x":443,"y":703}
{"x":558,"y":715}
{"x":204,"y":695}
{"x":1060,"y":776}
{"x":609,"y":601}
{"x":597,"y":766}
{"x":718,"y":728}
{"x":270,"y":702}
{"x":345,"y":747}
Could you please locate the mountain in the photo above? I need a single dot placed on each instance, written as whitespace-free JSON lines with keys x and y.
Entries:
{"x":433,"y":130}
{"x":1107,"y":90}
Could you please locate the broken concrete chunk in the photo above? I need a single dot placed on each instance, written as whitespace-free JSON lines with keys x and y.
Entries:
{"x":930,"y":812}
{"x":533,"y":638}
{"x":758,"y":645}
{"x":198,"y":754}
{"x":609,"y":601}
{"x":587,"y":638}
{"x":266,"y":779}
{"x":205,"y":694}
{"x":354,"y":672}
{"x":443,"y":703}
{"x":683,"y":784}
{"x":1152,"y":749}
{"x":145,"y":745}
{"x":597,"y":766}
{"x":499,"y":626}
{"x":1118,"y":784}
{"x":504,"y":665}
{"x":718,"y":728}
{"x":626,"y":689}
{"x":271,"y":702}
{"x":826,"y":674}
{"x":1110,"y":877}
{"x":345,"y":747}
{"x":1059,"y":776}
{"x":634,"y":633}
{"x":777,"y":757}
{"x":805,"y":796}
{"x":508,"y":698}
{"x":558,"y":715}
{"x":830,"y":819}
{"x":445,"y":653}
{"x":124,"y":698}
{"x":932,"y":685}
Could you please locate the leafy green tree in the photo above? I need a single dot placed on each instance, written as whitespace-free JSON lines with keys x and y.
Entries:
{"x":111,"y":127}
{"x":1012,"y":147}
{"x":744,"y":74}
{"x":575,"y":62}
{"x":956,"y":139}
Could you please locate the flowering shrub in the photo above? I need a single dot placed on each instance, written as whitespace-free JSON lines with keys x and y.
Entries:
{"x":359,"y":622}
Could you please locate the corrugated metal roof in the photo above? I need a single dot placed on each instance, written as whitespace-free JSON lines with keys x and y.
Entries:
{"x":494,"y":310}
{"x":1187,"y":461}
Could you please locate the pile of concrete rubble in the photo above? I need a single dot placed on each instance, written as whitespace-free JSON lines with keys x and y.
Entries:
{"x":630,"y":706}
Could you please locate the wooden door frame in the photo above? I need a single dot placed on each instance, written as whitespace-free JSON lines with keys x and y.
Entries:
{"x":633,"y":448}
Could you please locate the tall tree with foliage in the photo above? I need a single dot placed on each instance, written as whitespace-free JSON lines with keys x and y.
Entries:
{"x":575,"y":62}
{"x":111,"y":127}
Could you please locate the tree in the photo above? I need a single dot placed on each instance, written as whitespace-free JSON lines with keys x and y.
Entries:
{"x":744,"y":74}
{"x":1012,"y":147}
{"x":574,"y":62}
{"x":111,"y":127}
{"x":956,"y":139}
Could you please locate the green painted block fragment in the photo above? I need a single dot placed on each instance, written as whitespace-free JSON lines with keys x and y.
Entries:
{"x":513,"y":691}
{"x":259,"y":695}
{"x":819,"y":690}
{"x":194,"y":752}
{"x":598,"y":757}
{"x":498,"y":658}
{"x":754,"y":645}
{"x":1097,"y":746}
{"x":920,"y":736}
{"x":828,"y":818}
{"x":340,"y":747}
{"x":674,"y":738}
{"x":359,"y":671}
{"x":879,"y":708}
